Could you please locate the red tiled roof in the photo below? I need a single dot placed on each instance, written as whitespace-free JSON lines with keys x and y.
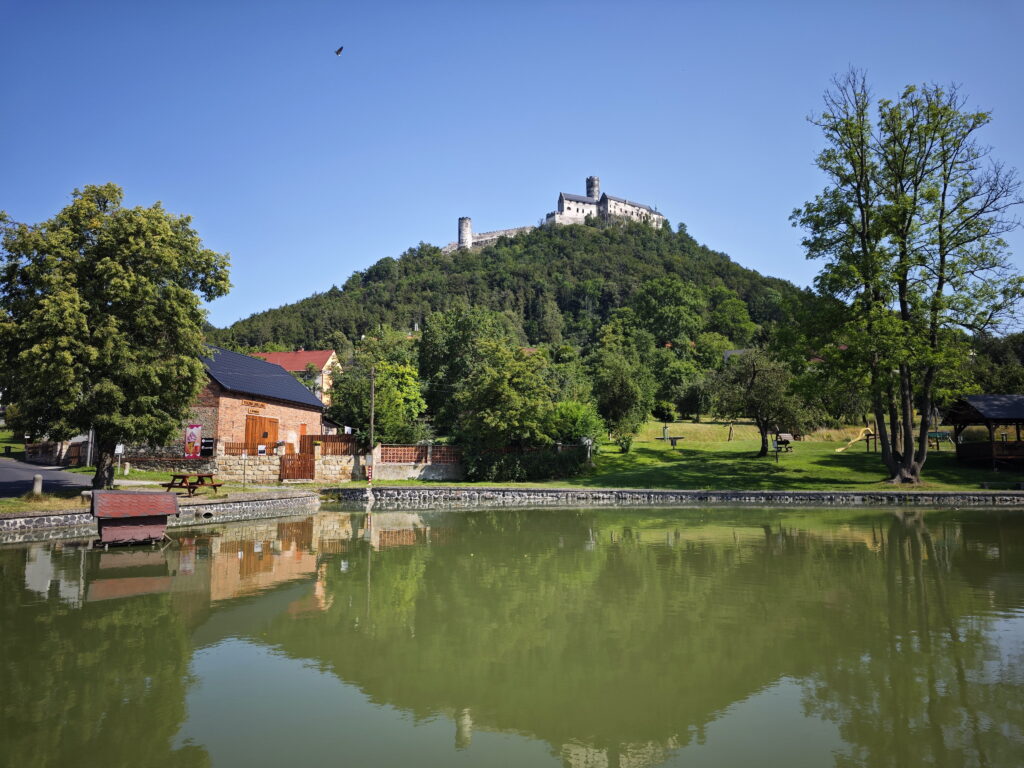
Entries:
{"x":128,"y":504}
{"x":297,"y":361}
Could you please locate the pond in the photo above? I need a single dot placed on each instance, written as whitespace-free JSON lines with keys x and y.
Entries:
{"x":583,"y":638}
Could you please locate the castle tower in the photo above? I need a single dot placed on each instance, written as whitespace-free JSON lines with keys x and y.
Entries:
{"x":593,"y":187}
{"x":465,"y":232}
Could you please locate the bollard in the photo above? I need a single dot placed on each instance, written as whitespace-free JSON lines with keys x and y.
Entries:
{"x":127,"y":467}
{"x":37,"y":485}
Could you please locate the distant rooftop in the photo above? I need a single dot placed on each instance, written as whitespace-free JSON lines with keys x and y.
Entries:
{"x":297,"y":361}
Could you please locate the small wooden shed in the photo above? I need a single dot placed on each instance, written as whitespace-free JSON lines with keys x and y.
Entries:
{"x":128,"y":517}
{"x":1002,"y":415}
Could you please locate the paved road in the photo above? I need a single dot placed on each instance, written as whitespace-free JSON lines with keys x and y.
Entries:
{"x":16,"y":478}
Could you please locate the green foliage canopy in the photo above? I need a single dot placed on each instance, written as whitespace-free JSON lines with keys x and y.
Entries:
{"x":100,"y":323}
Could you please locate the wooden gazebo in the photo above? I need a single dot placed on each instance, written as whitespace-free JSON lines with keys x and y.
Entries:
{"x":996,"y":412}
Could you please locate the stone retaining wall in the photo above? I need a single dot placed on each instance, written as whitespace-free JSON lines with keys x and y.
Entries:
{"x":256,"y":469}
{"x":428,"y":498}
{"x":171,"y":465}
{"x":77,"y":523}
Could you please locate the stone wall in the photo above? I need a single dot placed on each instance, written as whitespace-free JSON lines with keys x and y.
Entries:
{"x":428,"y":470}
{"x":430,"y":498}
{"x":340,"y":468}
{"x":171,"y":465}
{"x":389,"y":471}
{"x":73,"y":523}
{"x":256,"y":469}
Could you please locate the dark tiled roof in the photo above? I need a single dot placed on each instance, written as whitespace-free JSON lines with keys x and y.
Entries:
{"x":241,"y":373}
{"x":998,"y":406}
{"x":630,"y":202}
{"x":578,"y":198}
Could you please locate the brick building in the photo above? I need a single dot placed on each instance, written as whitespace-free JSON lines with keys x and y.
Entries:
{"x":255,"y":402}
{"x":324,"y":361}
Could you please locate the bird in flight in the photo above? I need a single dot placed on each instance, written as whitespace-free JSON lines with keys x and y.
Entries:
{"x":338,"y":52}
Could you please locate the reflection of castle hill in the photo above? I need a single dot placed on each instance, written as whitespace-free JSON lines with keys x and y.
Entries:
{"x":631,"y":648}
{"x":616,"y":638}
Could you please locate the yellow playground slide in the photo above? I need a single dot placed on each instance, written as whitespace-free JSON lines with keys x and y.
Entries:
{"x":863,"y":433}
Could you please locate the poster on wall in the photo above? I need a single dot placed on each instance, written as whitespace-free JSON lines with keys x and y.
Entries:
{"x":193,"y":440}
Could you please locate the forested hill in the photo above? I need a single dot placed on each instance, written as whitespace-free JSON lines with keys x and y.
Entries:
{"x":560,"y":284}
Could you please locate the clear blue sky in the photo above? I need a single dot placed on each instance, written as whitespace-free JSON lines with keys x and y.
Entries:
{"x":306,"y":166}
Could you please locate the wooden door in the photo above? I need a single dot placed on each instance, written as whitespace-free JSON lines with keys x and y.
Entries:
{"x":297,"y":466}
{"x":260,"y":430}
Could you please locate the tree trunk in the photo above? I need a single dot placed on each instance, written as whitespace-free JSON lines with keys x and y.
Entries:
{"x":104,"y":477}
{"x":763,"y":429}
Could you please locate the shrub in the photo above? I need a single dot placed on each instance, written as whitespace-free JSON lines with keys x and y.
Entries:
{"x":541,"y":464}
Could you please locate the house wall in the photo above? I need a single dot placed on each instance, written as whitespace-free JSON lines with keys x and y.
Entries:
{"x":234,"y":408}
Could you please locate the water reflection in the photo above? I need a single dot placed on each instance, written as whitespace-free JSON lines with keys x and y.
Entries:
{"x":606,"y":638}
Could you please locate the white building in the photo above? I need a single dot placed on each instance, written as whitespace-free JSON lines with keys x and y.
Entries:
{"x":572,"y":209}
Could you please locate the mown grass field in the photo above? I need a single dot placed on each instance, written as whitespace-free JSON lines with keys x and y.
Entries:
{"x":704,"y":460}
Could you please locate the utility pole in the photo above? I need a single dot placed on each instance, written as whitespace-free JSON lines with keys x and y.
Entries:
{"x":369,"y":458}
{"x":373,"y":400}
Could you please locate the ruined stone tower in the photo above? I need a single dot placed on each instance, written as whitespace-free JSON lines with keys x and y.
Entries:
{"x":593,"y":187}
{"x":465,"y":232}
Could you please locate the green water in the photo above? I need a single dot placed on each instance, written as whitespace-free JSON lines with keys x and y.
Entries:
{"x":524,"y":638}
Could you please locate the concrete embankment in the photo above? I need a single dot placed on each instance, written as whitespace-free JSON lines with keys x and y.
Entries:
{"x":76,"y":523}
{"x":417,"y":497}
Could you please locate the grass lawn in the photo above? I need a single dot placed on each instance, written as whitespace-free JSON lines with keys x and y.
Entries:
{"x":135,"y":474}
{"x":705,"y":460}
{"x":48,"y":502}
{"x":7,"y":440}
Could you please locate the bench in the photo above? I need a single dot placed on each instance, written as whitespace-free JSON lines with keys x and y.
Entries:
{"x":783,"y":441}
{"x":184,"y":482}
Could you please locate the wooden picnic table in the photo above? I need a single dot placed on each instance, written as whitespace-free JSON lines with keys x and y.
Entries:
{"x":185,"y":483}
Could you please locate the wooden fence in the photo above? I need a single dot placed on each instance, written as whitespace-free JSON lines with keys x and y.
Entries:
{"x":330,"y":445}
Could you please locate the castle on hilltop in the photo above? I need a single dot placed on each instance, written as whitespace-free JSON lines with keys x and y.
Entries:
{"x":572,"y":209}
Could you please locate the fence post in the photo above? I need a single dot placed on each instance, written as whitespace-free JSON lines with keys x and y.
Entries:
{"x":430,"y":453}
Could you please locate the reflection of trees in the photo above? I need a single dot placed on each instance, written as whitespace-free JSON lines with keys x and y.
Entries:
{"x":613,"y":636}
{"x":99,"y":685}
{"x":923,"y":687}
{"x":521,"y":623}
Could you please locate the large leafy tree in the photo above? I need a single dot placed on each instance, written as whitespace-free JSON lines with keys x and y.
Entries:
{"x":753,"y":385}
{"x":450,"y":350}
{"x":621,"y":369}
{"x":910,"y":229}
{"x":100,"y":323}
{"x":504,"y":399}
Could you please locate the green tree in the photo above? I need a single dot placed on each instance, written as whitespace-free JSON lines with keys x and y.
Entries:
{"x":624,"y":385}
{"x":450,"y":349}
{"x":755,"y":386}
{"x":399,"y":406}
{"x":100,"y":323}
{"x":729,"y":317}
{"x":910,"y":229}
{"x":503,"y":400}
{"x":571,"y":422}
{"x":670,"y":310}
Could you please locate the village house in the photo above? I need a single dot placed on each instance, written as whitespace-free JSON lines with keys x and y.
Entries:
{"x":323,"y":361}
{"x":254,"y":402}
